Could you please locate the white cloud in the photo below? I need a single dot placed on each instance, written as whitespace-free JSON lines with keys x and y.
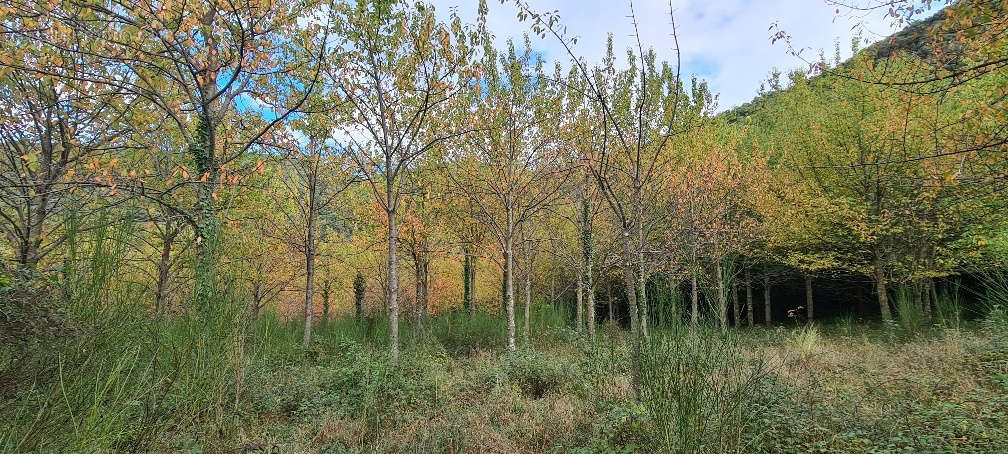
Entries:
{"x":726,"y":42}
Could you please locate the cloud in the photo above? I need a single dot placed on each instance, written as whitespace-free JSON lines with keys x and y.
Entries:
{"x":726,"y":42}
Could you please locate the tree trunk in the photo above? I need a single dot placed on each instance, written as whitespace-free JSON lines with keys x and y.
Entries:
{"x":642,"y":301}
{"x":579,"y":306}
{"x":767,"y":306}
{"x":207,"y":222}
{"x":808,"y":297}
{"x":425,"y":307}
{"x":880,"y":288}
{"x":694,"y":300}
{"x":509,"y":293}
{"x":466,"y":283}
{"x":642,"y":298}
{"x":472,"y":282}
{"x":528,"y":301}
{"x":393,"y":272}
{"x":590,"y":306}
{"x":926,"y":290}
{"x":630,"y":283}
{"x":164,"y":269}
{"x":588,"y":248}
{"x":326,"y":289}
{"x":609,"y":303}
{"x":736,"y":311}
{"x":257,"y":300}
{"x":748,"y":298}
{"x":419,"y":277}
{"x":358,"y":295}
{"x":722,"y":299}
{"x":309,"y":306}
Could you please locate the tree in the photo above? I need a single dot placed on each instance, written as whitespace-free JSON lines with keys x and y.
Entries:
{"x":56,"y":130}
{"x":397,"y":69}
{"x":198,"y":66}
{"x":509,"y":166}
{"x":318,"y":173}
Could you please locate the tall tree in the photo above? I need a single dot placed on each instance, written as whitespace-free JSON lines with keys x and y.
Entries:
{"x":221,"y":75}
{"x":397,"y":68}
{"x":509,"y":166}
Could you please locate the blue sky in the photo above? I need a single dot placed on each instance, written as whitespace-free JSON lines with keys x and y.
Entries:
{"x":726,"y":42}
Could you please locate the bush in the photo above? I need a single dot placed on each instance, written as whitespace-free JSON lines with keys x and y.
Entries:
{"x":537,"y":374}
{"x":359,"y":384}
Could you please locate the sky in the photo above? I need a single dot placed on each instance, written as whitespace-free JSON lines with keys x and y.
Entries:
{"x":726,"y":42}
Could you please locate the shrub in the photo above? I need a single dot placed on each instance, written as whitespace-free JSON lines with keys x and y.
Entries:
{"x":537,"y":374}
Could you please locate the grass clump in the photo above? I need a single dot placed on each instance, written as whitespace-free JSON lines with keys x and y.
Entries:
{"x":700,"y":390}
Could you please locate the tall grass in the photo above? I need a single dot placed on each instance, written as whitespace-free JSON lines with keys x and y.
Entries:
{"x":119,"y":378}
{"x":909,"y":314}
{"x":948,"y":307}
{"x":700,"y":389}
{"x":994,"y":299}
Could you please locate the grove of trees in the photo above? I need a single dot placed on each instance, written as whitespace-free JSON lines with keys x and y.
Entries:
{"x":301,"y":154}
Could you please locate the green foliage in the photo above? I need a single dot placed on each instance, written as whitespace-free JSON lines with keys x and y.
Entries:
{"x":699,"y":389}
{"x":123,"y":379}
{"x":909,"y":314}
{"x":463,"y":333}
{"x":358,"y":291}
{"x":948,"y":307}
{"x":537,"y":374}
{"x":620,"y":430}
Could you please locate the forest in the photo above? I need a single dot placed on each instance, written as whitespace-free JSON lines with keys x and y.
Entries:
{"x":338,"y":226}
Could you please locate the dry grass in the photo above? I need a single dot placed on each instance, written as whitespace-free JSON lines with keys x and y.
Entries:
{"x":479,"y":406}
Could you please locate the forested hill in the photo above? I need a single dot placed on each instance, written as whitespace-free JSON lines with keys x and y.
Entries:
{"x":915,"y":39}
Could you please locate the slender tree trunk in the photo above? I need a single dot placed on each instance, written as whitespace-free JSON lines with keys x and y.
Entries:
{"x":309,"y":306}
{"x":609,"y":302}
{"x":472,"y":282}
{"x":393,"y":308}
{"x":466,"y":283}
{"x":207,"y":222}
{"x":748,"y":298}
{"x":767,"y":305}
{"x":579,"y":308}
{"x":736,"y":311}
{"x":880,"y":288}
{"x":588,"y":248}
{"x":164,"y":269}
{"x":934,"y":292}
{"x":590,"y":306}
{"x":630,"y":283}
{"x":928,"y":300}
{"x":426,"y":288}
{"x":419,"y":277}
{"x":528,"y":300}
{"x":808,"y":297}
{"x":722,"y":299}
{"x":642,"y":301}
{"x":552,"y":288}
{"x":509,"y":292}
{"x":326,"y":290}
{"x":257,"y":300}
{"x":694,"y":299}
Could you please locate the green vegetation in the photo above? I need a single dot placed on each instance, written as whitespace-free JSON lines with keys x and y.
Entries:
{"x":365,"y":226}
